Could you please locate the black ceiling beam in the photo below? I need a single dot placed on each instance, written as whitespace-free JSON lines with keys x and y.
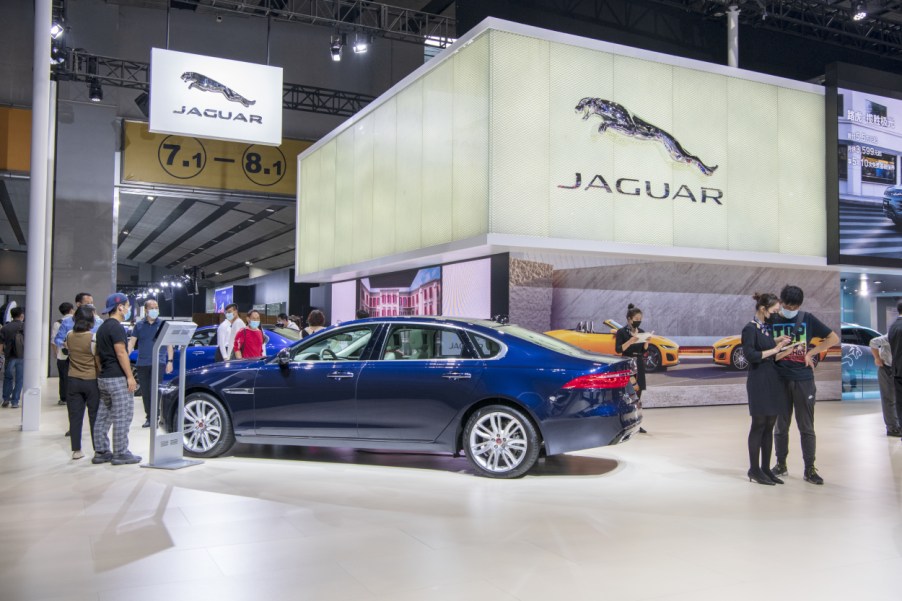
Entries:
{"x":231,"y":254}
{"x":135,"y":218}
{"x":205,"y":223}
{"x":7,"y":203}
{"x":257,"y":218}
{"x":165,"y":225}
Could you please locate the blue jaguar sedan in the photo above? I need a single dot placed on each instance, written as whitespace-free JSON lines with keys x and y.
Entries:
{"x":500,"y":393}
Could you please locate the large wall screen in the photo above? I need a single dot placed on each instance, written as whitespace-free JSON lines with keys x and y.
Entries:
{"x":864,"y":127}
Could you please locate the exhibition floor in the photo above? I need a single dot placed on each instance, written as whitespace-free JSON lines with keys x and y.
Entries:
{"x":669,"y":515}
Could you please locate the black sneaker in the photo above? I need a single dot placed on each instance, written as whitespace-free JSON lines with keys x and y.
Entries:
{"x":125,"y":458}
{"x":146,"y":423}
{"x":61,"y":402}
{"x":895,"y":432}
{"x":105,"y":457}
{"x":779,"y":469}
{"x":5,"y":404}
{"x":811,"y":476}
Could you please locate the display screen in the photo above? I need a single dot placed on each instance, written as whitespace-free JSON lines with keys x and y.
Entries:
{"x":413,"y":292}
{"x":869,"y":137}
{"x":344,"y":301}
{"x":223,"y":297}
{"x":467,"y":289}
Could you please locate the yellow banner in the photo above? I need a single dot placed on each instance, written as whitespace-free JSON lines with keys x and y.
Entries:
{"x":15,"y":139}
{"x":200,"y":163}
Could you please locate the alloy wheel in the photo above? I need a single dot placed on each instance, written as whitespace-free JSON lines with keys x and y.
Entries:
{"x":202,"y":425}
{"x":738,"y":359}
{"x":498,"y":442}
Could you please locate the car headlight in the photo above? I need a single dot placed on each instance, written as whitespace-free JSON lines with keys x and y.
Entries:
{"x":723,"y":347}
{"x":669,"y":347}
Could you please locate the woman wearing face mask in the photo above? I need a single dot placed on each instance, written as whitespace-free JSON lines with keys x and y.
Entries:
{"x":627,"y":343}
{"x":767,"y":394}
{"x":249,"y":342}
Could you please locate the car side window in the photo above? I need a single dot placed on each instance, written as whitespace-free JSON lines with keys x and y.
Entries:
{"x":345,"y":345}
{"x":488,"y":348}
{"x":866,"y":336}
{"x":204,"y":338}
{"x":850,"y":336}
{"x":421,"y":342}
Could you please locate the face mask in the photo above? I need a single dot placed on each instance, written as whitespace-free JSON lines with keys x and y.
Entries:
{"x":789,"y":314}
{"x":128,"y":314}
{"x":636,"y":324}
{"x":153,"y":313}
{"x":255,"y":324}
{"x":230,"y":316}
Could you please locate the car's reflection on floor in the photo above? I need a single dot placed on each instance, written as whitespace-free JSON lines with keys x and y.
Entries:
{"x":557,"y":465}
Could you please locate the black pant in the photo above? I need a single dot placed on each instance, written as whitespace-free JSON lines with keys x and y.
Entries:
{"x":62,"y":366}
{"x":802,"y":399}
{"x":81,"y":394}
{"x":145,"y":375}
{"x":761,"y":441}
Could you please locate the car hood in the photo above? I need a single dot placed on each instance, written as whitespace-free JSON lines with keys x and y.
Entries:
{"x":574,"y":335}
{"x":227,"y":366}
{"x":728,"y":340}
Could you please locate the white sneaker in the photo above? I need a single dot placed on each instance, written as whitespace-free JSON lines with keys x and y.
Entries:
{"x":77,"y":455}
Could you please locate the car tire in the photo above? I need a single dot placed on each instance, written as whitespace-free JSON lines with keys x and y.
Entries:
{"x":519,"y":442}
{"x":206,"y":426}
{"x":653,"y":359}
{"x":738,"y":360}
{"x":137,"y":381}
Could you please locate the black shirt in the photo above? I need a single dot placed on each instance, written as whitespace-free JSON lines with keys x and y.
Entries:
{"x":8,"y":337}
{"x":793,"y":366}
{"x":636,"y":349}
{"x":108,"y":334}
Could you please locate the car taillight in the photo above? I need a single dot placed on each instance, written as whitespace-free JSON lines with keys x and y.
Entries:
{"x":616,"y":379}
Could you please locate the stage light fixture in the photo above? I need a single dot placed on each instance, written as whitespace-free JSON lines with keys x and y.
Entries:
{"x":57,"y":53}
{"x":338,"y":43}
{"x":362,"y":43}
{"x":861,"y":11}
{"x":95,"y":91}
{"x":57,"y":30}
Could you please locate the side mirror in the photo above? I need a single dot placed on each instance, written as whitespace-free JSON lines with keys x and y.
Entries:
{"x":283,"y":357}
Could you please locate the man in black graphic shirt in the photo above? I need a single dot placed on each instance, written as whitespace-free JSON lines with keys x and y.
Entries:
{"x":797,"y":373}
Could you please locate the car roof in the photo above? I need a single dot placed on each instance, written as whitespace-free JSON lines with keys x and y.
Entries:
{"x":437,"y":320}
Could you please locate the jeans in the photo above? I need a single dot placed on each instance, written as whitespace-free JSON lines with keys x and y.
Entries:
{"x":802,"y":399}
{"x":13,"y":379}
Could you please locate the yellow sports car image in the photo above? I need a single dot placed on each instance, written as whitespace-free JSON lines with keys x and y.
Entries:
{"x":728,"y":351}
{"x":662,"y":352}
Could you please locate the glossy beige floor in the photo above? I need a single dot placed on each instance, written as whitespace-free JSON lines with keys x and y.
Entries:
{"x":666,"y":516}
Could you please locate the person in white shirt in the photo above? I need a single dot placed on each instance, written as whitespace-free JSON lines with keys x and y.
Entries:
{"x":883,"y":358}
{"x":225,"y":334}
{"x":62,"y":357}
{"x":285,"y":322}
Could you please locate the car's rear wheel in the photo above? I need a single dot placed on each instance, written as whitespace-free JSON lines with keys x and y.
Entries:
{"x":653,"y":359}
{"x":501,"y":442}
{"x":207,"y":426}
{"x":738,"y":360}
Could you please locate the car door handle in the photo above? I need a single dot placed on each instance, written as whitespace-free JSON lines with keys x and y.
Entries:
{"x":457,"y":375}
{"x":341,"y":375}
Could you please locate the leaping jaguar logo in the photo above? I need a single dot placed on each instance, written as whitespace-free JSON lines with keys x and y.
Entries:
{"x":614,"y":116}
{"x":205,"y":84}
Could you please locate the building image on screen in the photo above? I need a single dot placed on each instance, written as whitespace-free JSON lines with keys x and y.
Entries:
{"x":414,"y":292}
{"x":870,"y":194}
{"x":222,"y":298}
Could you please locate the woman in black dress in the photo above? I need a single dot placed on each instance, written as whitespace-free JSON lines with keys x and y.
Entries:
{"x":767,"y":395}
{"x":626,"y":343}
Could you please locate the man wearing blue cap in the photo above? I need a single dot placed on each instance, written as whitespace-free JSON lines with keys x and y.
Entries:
{"x":117,"y":386}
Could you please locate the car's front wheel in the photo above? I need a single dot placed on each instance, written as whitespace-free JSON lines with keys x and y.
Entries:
{"x":207,"y":426}
{"x":501,"y":442}
{"x":738,"y":360}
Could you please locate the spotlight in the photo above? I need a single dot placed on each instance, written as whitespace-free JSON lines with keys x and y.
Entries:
{"x":57,"y":30}
{"x":57,"y":53}
{"x":338,"y":42}
{"x":861,"y":11}
{"x":362,"y":43}
{"x":95,"y":91}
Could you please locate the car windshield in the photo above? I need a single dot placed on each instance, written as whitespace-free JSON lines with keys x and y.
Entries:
{"x":286,"y":333}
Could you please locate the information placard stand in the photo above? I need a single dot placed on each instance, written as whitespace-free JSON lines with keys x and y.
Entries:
{"x":166,"y":449}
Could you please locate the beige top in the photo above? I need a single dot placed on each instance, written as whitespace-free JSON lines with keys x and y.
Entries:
{"x":81,"y":355}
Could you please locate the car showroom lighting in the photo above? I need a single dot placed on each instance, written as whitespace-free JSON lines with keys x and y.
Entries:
{"x":248,"y":263}
{"x":362,"y":43}
{"x":338,"y":42}
{"x":57,"y":30}
{"x":861,"y":11}
{"x":863,"y":285}
{"x":95,"y":91}
{"x":150,"y":198}
{"x":57,"y":53}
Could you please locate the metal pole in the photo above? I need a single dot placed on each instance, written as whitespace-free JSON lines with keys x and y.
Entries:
{"x":733,"y":36}
{"x":49,"y":311}
{"x":168,"y":9}
{"x":37,"y":216}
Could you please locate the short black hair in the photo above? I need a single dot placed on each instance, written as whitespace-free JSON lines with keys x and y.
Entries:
{"x":66,"y":307}
{"x":362,"y":314}
{"x":283,"y":316}
{"x":81,"y":295}
{"x":792,"y":295}
{"x":232,"y":306}
{"x":16,"y":312}
{"x":83,"y":320}
{"x":899,"y":306}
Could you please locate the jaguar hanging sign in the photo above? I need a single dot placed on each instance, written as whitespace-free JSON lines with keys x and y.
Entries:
{"x":215,"y":98}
